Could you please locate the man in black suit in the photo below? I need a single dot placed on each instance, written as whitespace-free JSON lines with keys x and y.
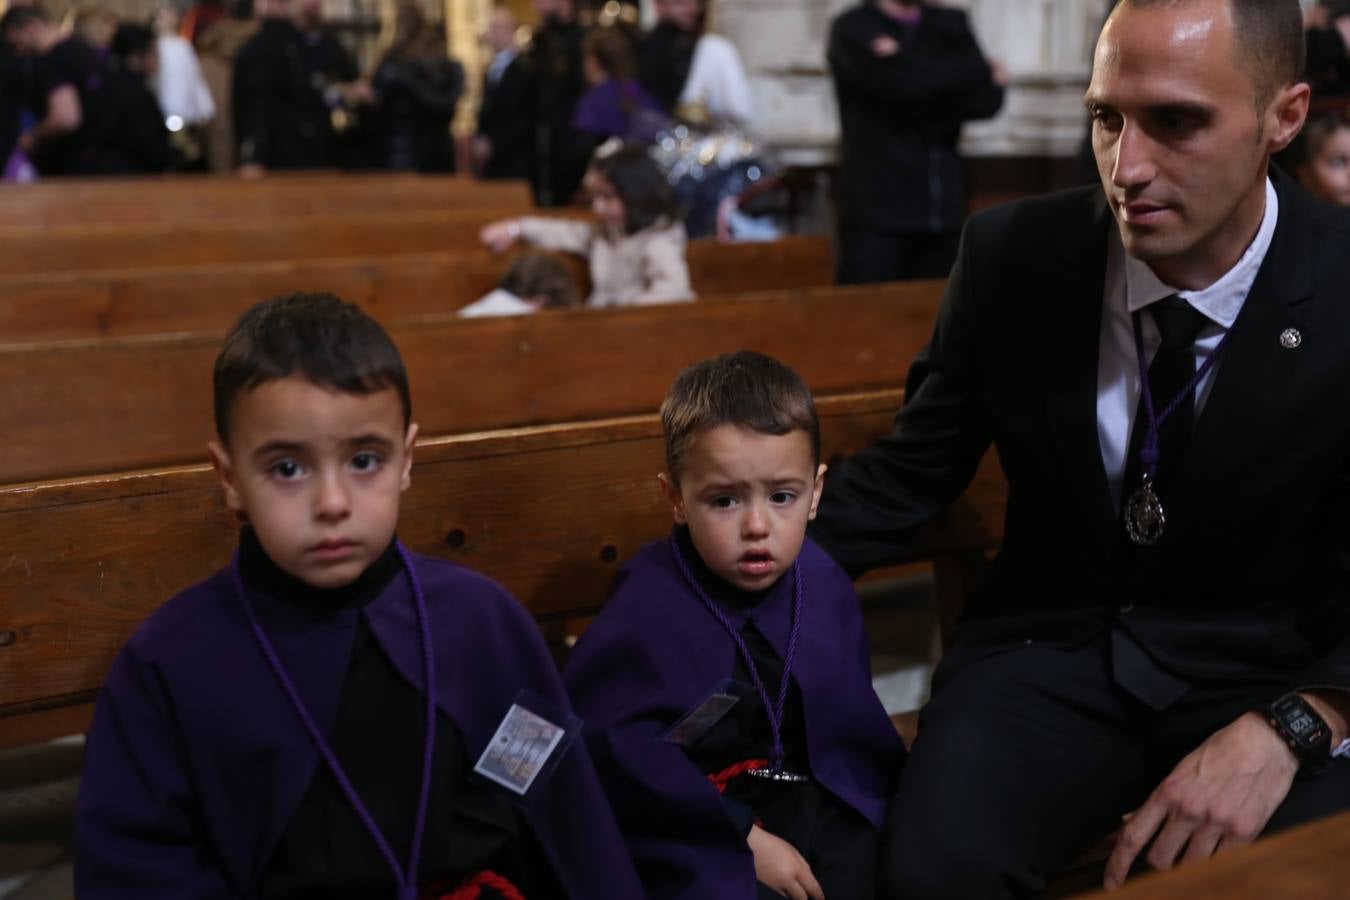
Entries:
{"x":504,"y":144}
{"x":1165,"y":634}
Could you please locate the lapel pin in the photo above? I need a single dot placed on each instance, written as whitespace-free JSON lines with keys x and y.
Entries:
{"x":1291,"y":339}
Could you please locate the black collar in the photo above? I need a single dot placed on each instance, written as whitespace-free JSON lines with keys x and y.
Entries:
{"x":261,"y":574}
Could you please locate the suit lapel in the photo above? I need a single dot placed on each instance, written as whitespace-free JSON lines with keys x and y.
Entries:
{"x":1251,"y":374}
{"x":1070,"y":335}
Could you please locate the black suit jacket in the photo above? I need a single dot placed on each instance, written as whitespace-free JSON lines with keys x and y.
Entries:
{"x":1250,"y":578}
{"x":506,"y":117}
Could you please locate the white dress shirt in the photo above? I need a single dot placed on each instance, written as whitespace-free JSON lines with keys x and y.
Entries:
{"x":1131,"y":286}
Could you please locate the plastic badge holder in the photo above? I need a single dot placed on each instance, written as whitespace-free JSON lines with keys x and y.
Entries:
{"x":530,"y":741}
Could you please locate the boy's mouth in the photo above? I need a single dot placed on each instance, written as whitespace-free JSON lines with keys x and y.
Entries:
{"x":755,"y":562}
{"x":337,"y":548}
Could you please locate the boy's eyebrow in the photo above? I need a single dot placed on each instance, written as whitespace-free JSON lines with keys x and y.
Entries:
{"x":365,"y":440}
{"x":271,"y":447}
{"x":787,"y":480}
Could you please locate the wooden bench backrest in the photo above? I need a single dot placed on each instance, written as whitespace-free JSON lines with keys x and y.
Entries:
{"x":549,"y":511}
{"x":117,"y":404}
{"x":142,"y":201}
{"x":83,"y":248}
{"x":78,"y":305}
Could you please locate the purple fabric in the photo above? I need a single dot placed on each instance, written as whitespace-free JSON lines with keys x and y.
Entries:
{"x":196,"y":760}
{"x":619,"y":109}
{"x":655,"y":653}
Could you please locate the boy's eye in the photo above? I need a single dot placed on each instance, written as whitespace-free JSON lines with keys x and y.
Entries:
{"x":366,"y":461}
{"x":285,"y":469}
{"x":782,"y":497}
{"x":724,"y":502}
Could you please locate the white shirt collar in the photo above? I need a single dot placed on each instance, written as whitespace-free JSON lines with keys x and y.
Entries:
{"x":1221,"y":301}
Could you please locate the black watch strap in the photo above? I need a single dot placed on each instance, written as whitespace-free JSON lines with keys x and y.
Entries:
{"x":1303,"y":729}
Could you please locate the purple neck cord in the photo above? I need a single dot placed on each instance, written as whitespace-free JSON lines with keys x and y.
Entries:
{"x":774,"y":711}
{"x":1148,"y":453}
{"x":407,"y":882}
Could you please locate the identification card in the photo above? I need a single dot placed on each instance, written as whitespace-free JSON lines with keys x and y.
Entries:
{"x":700,"y":720}
{"x":519,"y":750}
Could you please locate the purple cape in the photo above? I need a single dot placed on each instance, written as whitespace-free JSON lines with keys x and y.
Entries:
{"x":655,"y":653}
{"x":196,"y":760}
{"x":619,"y":109}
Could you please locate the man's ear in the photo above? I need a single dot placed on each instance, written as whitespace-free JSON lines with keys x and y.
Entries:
{"x":670,"y":489}
{"x":816,"y":489}
{"x":224,"y":466}
{"x":405,"y":477}
{"x":1286,"y":115}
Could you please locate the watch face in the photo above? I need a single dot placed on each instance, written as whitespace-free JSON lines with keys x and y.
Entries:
{"x":1301,"y":724}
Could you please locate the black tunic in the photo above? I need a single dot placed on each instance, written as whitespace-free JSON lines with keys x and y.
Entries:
{"x":326,"y":851}
{"x":838,"y":843}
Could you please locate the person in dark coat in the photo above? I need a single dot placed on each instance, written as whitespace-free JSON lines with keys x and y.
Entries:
{"x":504,"y":144}
{"x":907,"y":75}
{"x":561,"y":154}
{"x":127,"y":133}
{"x":289,"y":80}
{"x":15,"y":75}
{"x":417,"y":87}
{"x":665,"y":53}
{"x":64,"y":72}
{"x":331,"y":715}
{"x":726,"y":686}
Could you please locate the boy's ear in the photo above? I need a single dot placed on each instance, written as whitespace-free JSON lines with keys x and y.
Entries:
{"x":670,"y":489}
{"x":224,"y":466}
{"x":817,"y":489}
{"x":405,"y":478}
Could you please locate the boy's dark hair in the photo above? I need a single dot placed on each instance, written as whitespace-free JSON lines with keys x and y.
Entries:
{"x":746,"y":389}
{"x":640,"y":183}
{"x":328,"y":342}
{"x":17,"y":17}
{"x":541,"y":275}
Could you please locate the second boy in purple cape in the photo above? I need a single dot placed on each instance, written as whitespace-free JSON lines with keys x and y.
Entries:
{"x":736,"y":597}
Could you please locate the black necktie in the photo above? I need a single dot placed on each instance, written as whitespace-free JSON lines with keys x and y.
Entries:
{"x":1169,"y":374}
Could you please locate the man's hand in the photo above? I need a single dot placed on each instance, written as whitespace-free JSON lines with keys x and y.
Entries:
{"x":779,"y":866}
{"x":27,"y":143}
{"x":1220,"y":796}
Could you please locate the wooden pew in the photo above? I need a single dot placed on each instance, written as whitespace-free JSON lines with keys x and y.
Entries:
{"x":549,"y":511}
{"x":82,"y":248}
{"x":1311,"y":862}
{"x":137,"y":201}
{"x":108,"y":405}
{"x":124,"y":302}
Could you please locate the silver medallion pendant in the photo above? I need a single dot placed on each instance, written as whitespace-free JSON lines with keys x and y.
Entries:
{"x":1144,"y":516}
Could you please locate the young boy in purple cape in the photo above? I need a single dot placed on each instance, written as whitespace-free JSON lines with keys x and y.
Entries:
{"x":306,"y":722}
{"x":726,"y":687}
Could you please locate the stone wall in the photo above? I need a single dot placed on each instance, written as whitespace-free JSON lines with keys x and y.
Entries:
{"x":1047,"y":45}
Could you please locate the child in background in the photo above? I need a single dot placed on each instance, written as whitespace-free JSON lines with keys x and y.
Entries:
{"x":532,"y":282}
{"x":615,"y":105}
{"x":726,"y":686}
{"x":636,"y":245}
{"x":324,"y":716}
{"x":1323,"y":167}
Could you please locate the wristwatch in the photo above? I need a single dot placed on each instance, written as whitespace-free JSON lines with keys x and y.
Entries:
{"x":1300,"y":726}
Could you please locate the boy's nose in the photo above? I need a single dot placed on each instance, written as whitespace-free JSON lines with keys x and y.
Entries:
{"x":332,"y":500}
{"x":755,"y":523}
